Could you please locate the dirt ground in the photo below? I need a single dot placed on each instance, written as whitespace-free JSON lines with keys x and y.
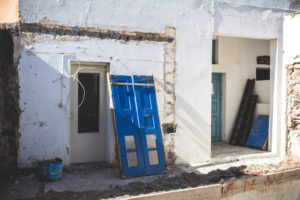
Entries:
{"x":156,"y":183}
{"x":131,"y":187}
{"x":183,"y":180}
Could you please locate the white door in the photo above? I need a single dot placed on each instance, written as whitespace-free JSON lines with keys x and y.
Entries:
{"x":88,"y":113}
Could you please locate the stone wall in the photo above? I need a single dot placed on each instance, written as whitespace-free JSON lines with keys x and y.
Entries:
{"x":293,"y":109}
{"x":9,"y":104}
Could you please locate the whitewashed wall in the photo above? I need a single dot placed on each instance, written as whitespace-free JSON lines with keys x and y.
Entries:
{"x":193,"y":20}
{"x":44,"y":127}
{"x":291,"y":40}
{"x":193,"y":73}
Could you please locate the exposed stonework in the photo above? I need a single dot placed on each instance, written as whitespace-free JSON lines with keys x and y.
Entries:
{"x":293,"y":109}
{"x":169,"y":125}
{"x":9,"y":103}
{"x":93,"y":32}
{"x":9,"y":26}
{"x":169,"y":78}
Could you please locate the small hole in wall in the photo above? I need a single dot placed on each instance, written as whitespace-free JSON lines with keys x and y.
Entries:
{"x":169,"y":128}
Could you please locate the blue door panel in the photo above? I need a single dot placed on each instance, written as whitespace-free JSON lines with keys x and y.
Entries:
{"x":216,"y":108}
{"x":137,"y":120}
{"x":259,"y":132}
{"x":150,"y":126}
{"x":127,"y":125}
{"x":214,"y":128}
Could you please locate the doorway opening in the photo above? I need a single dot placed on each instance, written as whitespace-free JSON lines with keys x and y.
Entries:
{"x":216,"y":108}
{"x":88,"y":109}
{"x":235,"y":61}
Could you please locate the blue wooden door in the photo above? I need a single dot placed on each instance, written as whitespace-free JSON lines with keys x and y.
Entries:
{"x":138,"y":128}
{"x":216,"y":108}
{"x":149,"y":126}
{"x":129,"y":141}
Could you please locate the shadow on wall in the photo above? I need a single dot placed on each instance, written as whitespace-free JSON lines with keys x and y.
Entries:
{"x":44,"y":125}
{"x":44,"y":101}
{"x":194,"y":124}
{"x":9,"y":105}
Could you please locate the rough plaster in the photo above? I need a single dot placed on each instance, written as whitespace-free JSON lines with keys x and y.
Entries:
{"x":194,"y":21}
{"x":293,"y":107}
{"x":291,"y":62}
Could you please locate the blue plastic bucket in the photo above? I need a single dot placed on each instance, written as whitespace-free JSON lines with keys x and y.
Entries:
{"x":50,"y":170}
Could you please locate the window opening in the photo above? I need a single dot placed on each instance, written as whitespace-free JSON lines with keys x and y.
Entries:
{"x":262,"y":74}
{"x":88,"y":112}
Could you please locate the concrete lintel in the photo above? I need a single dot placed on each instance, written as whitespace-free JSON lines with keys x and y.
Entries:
{"x":217,"y":34}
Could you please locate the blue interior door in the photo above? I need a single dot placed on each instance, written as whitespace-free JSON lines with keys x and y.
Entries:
{"x":138,"y":127}
{"x":216,"y":108}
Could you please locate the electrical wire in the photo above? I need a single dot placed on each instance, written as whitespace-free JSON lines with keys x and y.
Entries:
{"x":74,"y":78}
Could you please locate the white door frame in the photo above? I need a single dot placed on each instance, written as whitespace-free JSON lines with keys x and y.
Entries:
{"x":88,"y":147}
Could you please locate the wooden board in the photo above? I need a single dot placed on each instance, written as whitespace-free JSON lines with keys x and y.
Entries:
{"x":242,"y":115}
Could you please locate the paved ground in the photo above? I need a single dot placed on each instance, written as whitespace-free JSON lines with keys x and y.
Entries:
{"x":222,"y":152}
